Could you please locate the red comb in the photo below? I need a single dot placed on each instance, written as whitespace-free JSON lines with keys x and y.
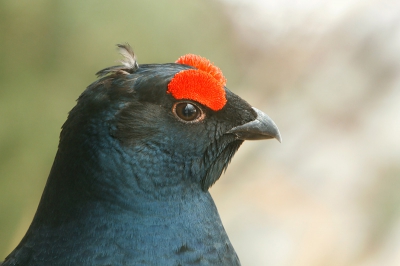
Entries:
{"x":202,"y":64}
{"x":204,"y":84}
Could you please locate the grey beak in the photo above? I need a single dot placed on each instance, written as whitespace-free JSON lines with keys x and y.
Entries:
{"x":261,"y":128}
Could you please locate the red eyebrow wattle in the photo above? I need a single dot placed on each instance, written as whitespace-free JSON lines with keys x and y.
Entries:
{"x":205,"y":84}
{"x":203,"y":64}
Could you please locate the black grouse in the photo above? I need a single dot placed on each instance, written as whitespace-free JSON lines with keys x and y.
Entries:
{"x":137,"y":155}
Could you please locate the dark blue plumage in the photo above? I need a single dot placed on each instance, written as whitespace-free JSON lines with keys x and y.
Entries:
{"x":129,"y":183}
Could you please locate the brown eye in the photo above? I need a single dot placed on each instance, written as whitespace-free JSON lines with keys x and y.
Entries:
{"x":187,"y":111}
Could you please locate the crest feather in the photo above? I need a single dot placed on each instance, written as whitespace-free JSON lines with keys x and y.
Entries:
{"x":129,"y":63}
{"x":129,"y":59}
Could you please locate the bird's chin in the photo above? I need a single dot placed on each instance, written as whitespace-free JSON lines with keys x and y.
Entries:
{"x":221,"y":161}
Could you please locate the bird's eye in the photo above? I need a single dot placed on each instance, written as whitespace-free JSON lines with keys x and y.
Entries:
{"x":187,"y":111}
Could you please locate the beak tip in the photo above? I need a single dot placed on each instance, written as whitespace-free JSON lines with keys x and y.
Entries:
{"x":279,"y":138}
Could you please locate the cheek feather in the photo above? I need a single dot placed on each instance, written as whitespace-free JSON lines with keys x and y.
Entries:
{"x":204,"y":84}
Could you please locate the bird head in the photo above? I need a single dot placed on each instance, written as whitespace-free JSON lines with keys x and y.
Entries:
{"x":168,"y":125}
{"x":137,"y":155}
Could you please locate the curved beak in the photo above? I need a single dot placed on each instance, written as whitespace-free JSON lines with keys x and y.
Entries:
{"x":261,"y":128}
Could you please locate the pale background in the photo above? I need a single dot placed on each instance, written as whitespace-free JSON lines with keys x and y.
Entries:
{"x":327,"y":72}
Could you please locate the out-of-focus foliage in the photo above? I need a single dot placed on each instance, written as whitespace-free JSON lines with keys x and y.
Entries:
{"x":327,"y":72}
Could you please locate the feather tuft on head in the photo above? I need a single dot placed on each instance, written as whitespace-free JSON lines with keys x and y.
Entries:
{"x":129,"y":63}
{"x":129,"y":59}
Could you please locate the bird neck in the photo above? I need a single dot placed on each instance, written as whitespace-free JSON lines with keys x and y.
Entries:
{"x":101,"y":175}
{"x":125,"y":222}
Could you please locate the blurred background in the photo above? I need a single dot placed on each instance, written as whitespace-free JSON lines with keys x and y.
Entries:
{"x":327,"y":72}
